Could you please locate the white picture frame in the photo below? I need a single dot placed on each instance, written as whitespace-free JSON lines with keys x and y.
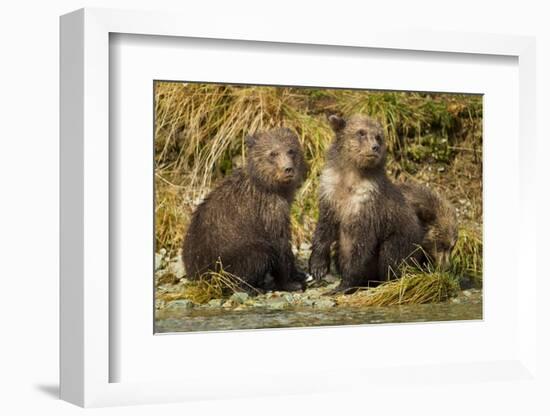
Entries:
{"x":86,"y":356}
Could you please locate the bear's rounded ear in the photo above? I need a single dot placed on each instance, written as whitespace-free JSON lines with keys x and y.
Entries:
{"x":250,"y":140}
{"x":336,"y":122}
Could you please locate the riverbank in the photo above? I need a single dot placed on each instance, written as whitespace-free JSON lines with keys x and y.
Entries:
{"x":177,"y":312}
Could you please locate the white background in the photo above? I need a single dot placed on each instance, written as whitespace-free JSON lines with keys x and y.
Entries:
{"x":29,"y":175}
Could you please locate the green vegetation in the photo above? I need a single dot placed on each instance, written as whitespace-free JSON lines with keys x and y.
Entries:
{"x":467,"y":256}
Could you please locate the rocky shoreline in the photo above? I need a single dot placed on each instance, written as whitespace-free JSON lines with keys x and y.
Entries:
{"x":171,"y":283}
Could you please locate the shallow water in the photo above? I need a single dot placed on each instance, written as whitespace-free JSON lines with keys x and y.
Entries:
{"x":204,"y":319}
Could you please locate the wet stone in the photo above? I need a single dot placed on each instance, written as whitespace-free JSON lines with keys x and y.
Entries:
{"x":324,"y":303}
{"x":215,"y":303}
{"x":307,"y":302}
{"x":276,"y":303}
{"x":177,"y":268}
{"x":180,"y":304}
{"x":158,"y":261}
{"x":239,"y":297}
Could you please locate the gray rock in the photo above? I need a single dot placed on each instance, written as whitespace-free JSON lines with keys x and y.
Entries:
{"x":239,"y":297}
{"x":176,"y":267}
{"x":276,"y":303}
{"x":289,"y":297}
{"x":159,"y":263}
{"x":314,"y":292}
{"x":215,"y":303}
{"x":254,"y":303}
{"x":180,"y":304}
{"x":324,"y":303}
{"x":307,"y":302}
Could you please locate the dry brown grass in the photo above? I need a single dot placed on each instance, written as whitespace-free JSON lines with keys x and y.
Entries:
{"x":216,"y":284}
{"x":416,"y":286}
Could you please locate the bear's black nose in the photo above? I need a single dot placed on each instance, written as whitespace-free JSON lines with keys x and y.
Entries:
{"x":288,"y":171}
{"x":376,"y":147}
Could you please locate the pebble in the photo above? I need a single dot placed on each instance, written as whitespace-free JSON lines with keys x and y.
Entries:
{"x":215,"y":303}
{"x":324,"y":303}
{"x":158,"y":261}
{"x":307,"y":302}
{"x":176,"y":267}
{"x":289,"y":297}
{"x":254,"y":303}
{"x":239,"y":297}
{"x":180,"y":304}
{"x":276,"y":303}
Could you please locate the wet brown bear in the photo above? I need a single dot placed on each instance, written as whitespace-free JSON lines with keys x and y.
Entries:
{"x":360,"y":209}
{"x":438,"y":219}
{"x":245,"y":221}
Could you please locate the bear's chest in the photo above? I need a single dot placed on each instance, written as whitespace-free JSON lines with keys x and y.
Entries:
{"x":348,"y":193}
{"x":274,"y":216}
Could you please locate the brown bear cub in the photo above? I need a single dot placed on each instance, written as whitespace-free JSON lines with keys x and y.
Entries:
{"x":361,"y":210}
{"x":245,"y":221}
{"x":438,"y":219}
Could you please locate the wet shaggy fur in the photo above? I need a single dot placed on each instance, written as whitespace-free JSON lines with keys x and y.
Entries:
{"x":361,"y":210}
{"x":245,"y":221}
{"x":438,"y":219}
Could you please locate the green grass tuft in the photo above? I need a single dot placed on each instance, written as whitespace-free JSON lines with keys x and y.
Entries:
{"x":467,"y":255}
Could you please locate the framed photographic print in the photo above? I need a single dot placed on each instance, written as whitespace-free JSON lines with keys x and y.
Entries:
{"x":400,"y":158}
{"x":251,"y":204}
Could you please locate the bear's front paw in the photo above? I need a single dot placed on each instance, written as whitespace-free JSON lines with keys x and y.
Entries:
{"x":318,"y":269}
{"x":299,"y":276}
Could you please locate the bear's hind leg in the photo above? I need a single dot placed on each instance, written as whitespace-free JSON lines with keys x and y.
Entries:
{"x":251,"y":263}
{"x":394,"y":253}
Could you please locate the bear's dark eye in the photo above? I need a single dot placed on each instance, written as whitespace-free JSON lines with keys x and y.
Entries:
{"x":291,"y":152}
{"x":274,"y":154}
{"x":361,"y":133}
{"x":378,"y":138}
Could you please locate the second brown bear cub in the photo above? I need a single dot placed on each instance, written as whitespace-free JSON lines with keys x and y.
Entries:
{"x":245,"y":221}
{"x":360,"y":209}
{"x":438,"y":219}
